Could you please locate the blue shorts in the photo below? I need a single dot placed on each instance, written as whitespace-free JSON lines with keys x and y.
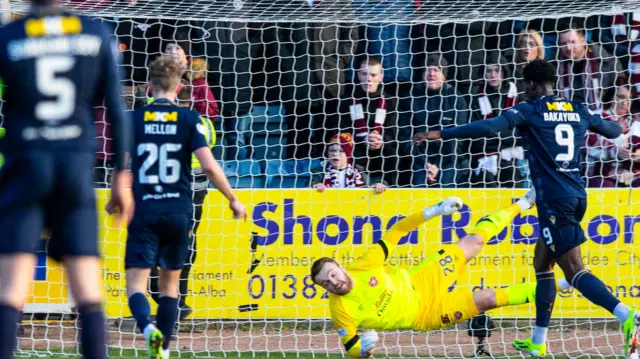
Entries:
{"x":158,"y":240}
{"x":560,"y":227}
{"x":40,"y":189}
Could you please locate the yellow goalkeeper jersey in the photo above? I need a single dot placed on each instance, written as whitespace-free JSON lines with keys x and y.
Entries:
{"x":382,"y":298}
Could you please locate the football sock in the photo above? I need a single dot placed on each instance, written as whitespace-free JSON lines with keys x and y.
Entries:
{"x":622,"y":311}
{"x":563,"y":284}
{"x":495,"y":223}
{"x":8,"y":328}
{"x":524,"y":204}
{"x":93,"y":338}
{"x":167,"y":317}
{"x":140,"y":309}
{"x":539,"y":335}
{"x":594,"y":290}
{"x":515,"y":294}
{"x":545,"y":298}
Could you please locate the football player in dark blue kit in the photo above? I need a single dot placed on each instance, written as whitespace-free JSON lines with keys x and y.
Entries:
{"x":554,"y":129}
{"x":56,"y":67}
{"x":165,"y":136}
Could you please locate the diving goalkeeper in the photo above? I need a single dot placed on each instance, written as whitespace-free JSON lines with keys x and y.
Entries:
{"x":368,"y":295}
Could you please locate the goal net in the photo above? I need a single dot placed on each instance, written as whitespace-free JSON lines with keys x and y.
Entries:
{"x":279,"y":79}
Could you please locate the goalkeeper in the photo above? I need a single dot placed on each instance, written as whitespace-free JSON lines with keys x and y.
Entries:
{"x":368,"y":295}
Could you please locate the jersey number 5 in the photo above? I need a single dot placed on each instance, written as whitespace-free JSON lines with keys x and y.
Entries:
{"x":50,"y":85}
{"x":168,"y":169}
{"x":564,"y":137}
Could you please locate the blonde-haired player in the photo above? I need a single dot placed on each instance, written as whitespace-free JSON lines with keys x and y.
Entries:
{"x":370,"y":296}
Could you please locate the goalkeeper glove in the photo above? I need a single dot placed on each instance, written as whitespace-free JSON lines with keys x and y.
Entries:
{"x":368,"y":342}
{"x":444,"y":208}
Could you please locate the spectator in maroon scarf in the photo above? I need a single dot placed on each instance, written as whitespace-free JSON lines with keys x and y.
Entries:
{"x":373,"y":116}
{"x":585,"y":70}
{"x":616,"y":162}
{"x":620,"y":35}
{"x":339,"y":169}
{"x":494,"y":160}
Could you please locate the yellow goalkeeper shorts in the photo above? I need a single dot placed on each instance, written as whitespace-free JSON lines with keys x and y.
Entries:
{"x":432,"y":279}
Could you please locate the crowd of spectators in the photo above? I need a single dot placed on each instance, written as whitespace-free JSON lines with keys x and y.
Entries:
{"x":349,"y":97}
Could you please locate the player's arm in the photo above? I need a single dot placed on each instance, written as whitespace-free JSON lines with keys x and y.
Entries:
{"x":212,"y":169}
{"x":608,"y":129}
{"x":347,"y":327}
{"x":120,"y":127}
{"x":377,"y":255}
{"x":478,"y":129}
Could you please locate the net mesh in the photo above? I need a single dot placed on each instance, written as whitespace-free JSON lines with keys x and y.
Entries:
{"x":429,"y":11}
{"x":279,"y":78}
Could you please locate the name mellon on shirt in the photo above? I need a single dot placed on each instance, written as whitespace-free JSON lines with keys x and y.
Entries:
{"x":561,"y":117}
{"x":160,"y":129}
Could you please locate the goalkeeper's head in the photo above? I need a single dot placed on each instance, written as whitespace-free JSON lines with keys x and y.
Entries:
{"x":331,"y":276}
{"x":165,"y":73}
{"x":540,"y":78}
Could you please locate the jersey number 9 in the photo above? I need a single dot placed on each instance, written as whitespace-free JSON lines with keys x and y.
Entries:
{"x":564,"y":137}
{"x":168,"y":169}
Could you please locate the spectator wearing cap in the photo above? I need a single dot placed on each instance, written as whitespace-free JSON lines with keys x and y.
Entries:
{"x":585,"y":69}
{"x":339,"y":169}
{"x":373,"y":117}
{"x":494,"y":161}
{"x":195,"y":72}
{"x":436,"y":105}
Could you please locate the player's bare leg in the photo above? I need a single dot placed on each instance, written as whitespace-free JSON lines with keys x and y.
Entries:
{"x":88,"y":292}
{"x":16,"y":274}
{"x":137,"y":280}
{"x":168,"y":305}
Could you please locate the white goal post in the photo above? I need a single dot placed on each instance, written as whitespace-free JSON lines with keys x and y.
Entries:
{"x":277,"y":78}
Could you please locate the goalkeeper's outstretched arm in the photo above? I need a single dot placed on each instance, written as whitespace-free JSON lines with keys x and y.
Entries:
{"x":479,"y":129}
{"x":377,"y":255}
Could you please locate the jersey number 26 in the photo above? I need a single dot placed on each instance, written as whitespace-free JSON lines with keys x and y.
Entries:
{"x":168,"y":168}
